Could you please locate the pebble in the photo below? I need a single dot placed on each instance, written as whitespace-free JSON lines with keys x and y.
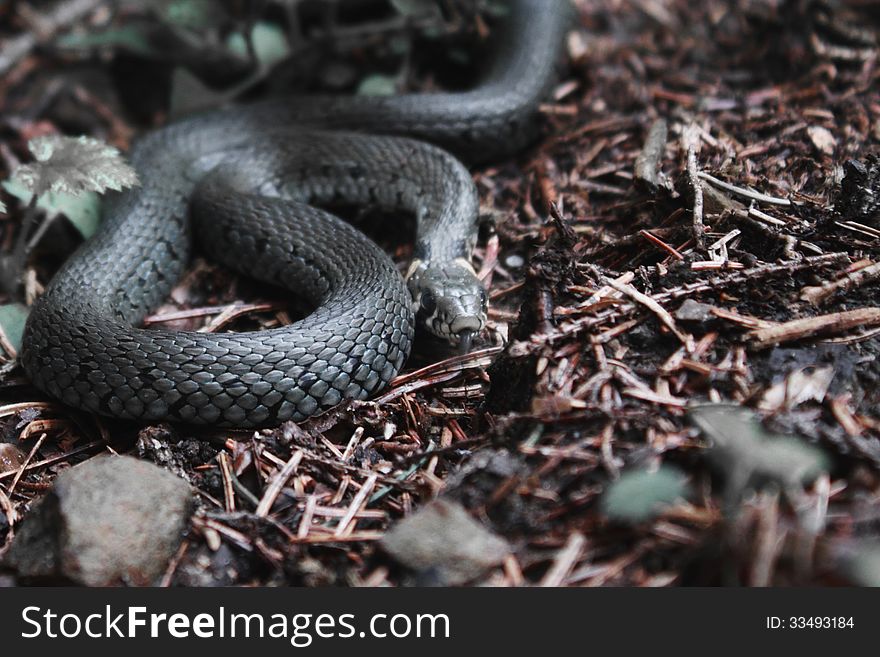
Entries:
{"x":444,"y":540}
{"x":694,"y":311}
{"x":111,"y":520}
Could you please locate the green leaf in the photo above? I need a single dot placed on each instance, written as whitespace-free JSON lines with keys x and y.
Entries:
{"x":378,"y":85}
{"x":751,"y":455}
{"x":83,"y":211}
{"x":73,"y":165}
{"x":270,"y":43}
{"x":641,"y":495}
{"x":12,"y":319}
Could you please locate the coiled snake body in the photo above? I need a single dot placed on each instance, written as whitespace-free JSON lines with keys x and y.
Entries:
{"x":247,"y":178}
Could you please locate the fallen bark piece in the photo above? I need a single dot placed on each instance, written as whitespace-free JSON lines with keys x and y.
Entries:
{"x":647,"y":169}
{"x":110,"y":520}
{"x":446,"y":541}
{"x":821,"y":325}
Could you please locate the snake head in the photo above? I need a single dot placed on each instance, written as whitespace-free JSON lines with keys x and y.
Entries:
{"x":449,"y":300}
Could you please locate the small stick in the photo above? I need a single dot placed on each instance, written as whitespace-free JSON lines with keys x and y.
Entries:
{"x":354,"y":537}
{"x":277,"y":484}
{"x":699,"y":230}
{"x":194,"y":313}
{"x":53,"y":460}
{"x":30,"y":457}
{"x":226,"y":471}
{"x":763,"y":216}
{"x":819,"y":294}
{"x":724,"y":241}
{"x":165,"y":582}
{"x":566,"y":560}
{"x":653,"y":239}
{"x":230,"y":314}
{"x":802,"y":328}
{"x":856,"y":227}
{"x":361,"y":499}
{"x":743,"y":320}
{"x":747,"y":193}
{"x":305,"y":522}
{"x":656,"y":308}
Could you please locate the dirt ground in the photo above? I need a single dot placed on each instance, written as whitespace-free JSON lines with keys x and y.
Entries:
{"x":679,"y":381}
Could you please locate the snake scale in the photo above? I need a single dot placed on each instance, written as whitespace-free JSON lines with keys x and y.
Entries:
{"x":247,"y":183}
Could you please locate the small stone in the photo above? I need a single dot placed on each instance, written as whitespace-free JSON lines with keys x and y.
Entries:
{"x":11,"y":457}
{"x":111,"y":520}
{"x":514,"y":261}
{"x":442,"y":538}
{"x":694,"y":311}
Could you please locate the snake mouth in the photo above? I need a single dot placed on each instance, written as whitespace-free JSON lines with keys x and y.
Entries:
{"x":465,"y":338}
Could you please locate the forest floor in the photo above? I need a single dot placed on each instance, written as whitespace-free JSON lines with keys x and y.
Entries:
{"x":679,"y":383}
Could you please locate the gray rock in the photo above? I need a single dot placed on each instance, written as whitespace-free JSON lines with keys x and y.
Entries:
{"x":110,"y":520}
{"x":442,"y":538}
{"x":694,"y":311}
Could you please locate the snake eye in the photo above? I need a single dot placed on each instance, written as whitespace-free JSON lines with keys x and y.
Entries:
{"x":429,"y":303}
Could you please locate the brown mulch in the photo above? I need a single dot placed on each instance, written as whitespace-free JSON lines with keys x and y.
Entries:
{"x":697,"y":226}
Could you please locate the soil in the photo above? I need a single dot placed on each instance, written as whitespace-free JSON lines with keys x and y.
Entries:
{"x":716,"y":152}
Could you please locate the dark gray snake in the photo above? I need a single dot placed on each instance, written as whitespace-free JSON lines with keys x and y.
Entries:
{"x":248,"y":177}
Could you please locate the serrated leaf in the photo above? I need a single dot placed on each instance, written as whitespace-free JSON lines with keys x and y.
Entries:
{"x":73,"y":165}
{"x":641,"y":495}
{"x":751,"y":455}
{"x":378,"y":85}
{"x":83,"y":211}
{"x":12,"y":319}
{"x":269,"y":41}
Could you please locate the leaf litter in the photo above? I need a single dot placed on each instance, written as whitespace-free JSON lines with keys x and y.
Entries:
{"x":679,"y":330}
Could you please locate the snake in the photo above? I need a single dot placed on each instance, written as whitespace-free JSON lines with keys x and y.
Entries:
{"x":249,"y":185}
